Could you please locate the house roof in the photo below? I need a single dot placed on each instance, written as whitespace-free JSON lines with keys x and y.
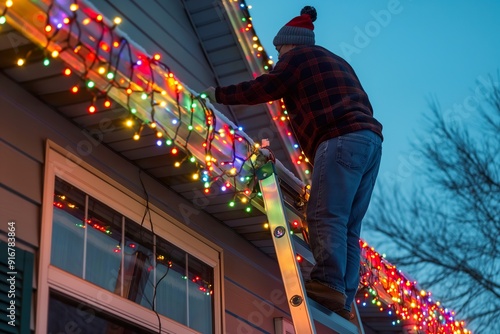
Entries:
{"x":232,"y":59}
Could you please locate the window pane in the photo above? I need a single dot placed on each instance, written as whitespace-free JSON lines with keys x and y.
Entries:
{"x":68,"y":228}
{"x":104,"y":234}
{"x":69,"y":316}
{"x":171,"y":286}
{"x":200,"y":289}
{"x":139,"y":264}
{"x":184,"y":289}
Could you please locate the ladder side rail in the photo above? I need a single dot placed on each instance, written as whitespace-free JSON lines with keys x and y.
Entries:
{"x":290,"y":271}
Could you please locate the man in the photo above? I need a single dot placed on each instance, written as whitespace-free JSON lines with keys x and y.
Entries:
{"x":333,"y":121}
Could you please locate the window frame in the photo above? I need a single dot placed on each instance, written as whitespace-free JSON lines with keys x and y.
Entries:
{"x":70,"y":168}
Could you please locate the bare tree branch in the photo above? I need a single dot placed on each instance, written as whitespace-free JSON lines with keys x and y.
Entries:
{"x":446,"y":231}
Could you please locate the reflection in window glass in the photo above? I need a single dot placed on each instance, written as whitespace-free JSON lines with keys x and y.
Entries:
{"x":68,"y":228}
{"x":104,"y":234}
{"x":200,"y":295}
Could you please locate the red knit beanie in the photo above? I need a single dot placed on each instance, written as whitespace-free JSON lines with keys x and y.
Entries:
{"x":299,"y":31}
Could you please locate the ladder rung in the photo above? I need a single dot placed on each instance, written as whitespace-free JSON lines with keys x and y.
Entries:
{"x":303,"y":249}
{"x":330,"y":319}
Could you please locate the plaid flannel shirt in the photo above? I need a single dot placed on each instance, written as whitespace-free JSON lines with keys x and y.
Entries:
{"x":321,"y":91}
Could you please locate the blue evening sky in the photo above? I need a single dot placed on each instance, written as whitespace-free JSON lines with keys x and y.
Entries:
{"x":405,"y":52}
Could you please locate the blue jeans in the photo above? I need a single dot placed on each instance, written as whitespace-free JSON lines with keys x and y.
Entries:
{"x":344,"y":174}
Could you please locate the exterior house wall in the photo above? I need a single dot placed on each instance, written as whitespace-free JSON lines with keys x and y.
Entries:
{"x":252,"y":289}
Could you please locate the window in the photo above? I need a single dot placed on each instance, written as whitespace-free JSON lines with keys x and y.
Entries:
{"x":124,"y":262}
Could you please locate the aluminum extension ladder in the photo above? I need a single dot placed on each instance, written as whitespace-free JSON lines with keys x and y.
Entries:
{"x":304,"y":311}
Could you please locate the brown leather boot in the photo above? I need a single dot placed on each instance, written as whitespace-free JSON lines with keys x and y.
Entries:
{"x":326,"y":296}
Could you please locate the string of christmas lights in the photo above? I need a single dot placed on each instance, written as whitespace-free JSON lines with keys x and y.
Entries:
{"x":112,"y":68}
{"x":392,"y":292}
{"x":239,"y":15}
